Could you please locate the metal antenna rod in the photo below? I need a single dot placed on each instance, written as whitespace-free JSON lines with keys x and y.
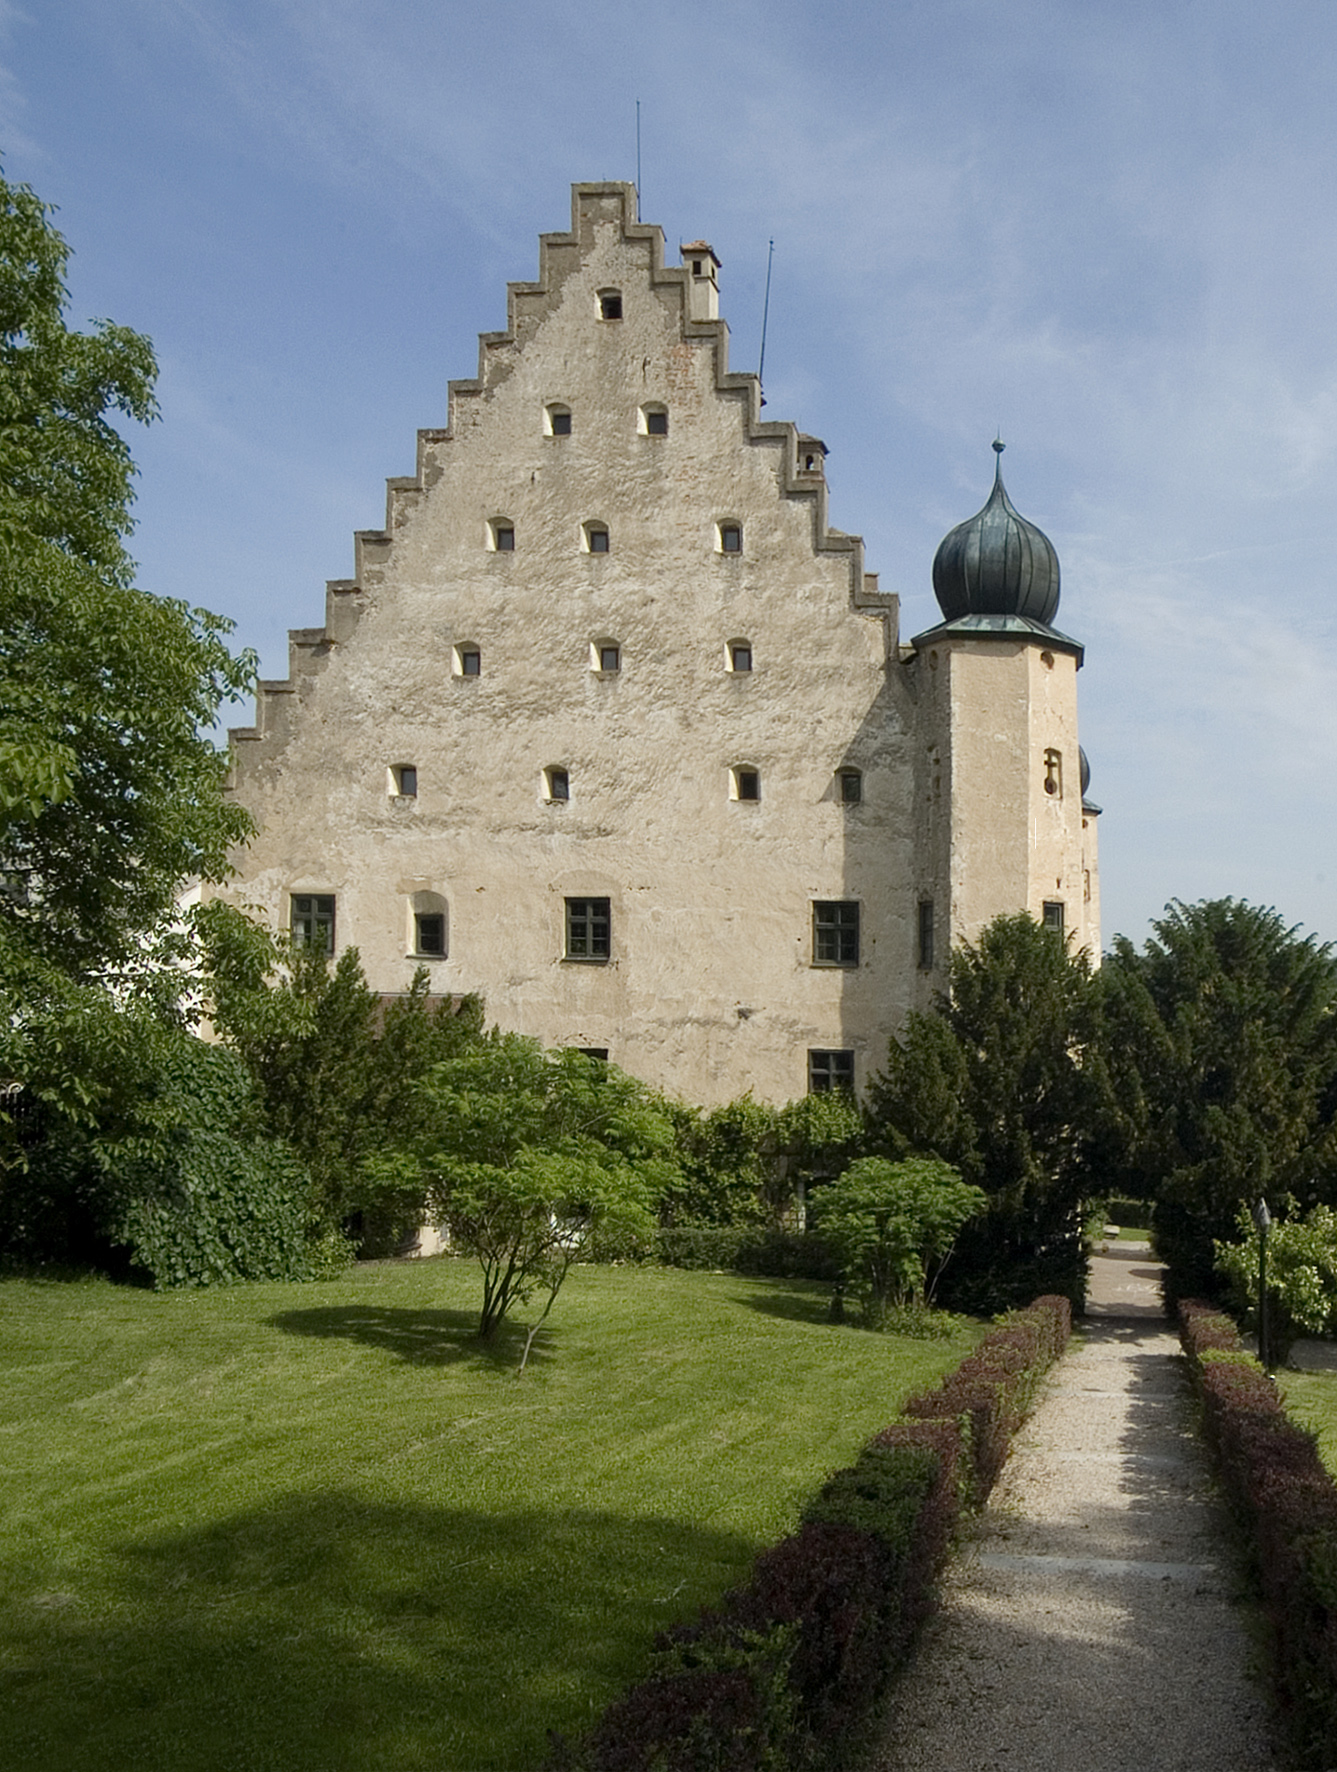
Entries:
{"x":638,"y":159}
{"x":765,"y":316}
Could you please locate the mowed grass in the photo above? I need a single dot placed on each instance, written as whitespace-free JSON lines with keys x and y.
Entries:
{"x":318,"y":1529}
{"x":1311,"y":1400}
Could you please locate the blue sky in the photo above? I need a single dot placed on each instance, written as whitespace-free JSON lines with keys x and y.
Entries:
{"x":1107,"y":228}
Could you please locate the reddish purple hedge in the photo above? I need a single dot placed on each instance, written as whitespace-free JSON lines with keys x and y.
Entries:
{"x":788,"y":1669}
{"x":1271,"y":1470}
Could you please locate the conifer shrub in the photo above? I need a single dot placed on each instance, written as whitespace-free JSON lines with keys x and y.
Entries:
{"x":1287,"y":1503}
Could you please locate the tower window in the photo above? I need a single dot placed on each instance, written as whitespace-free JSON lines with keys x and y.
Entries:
{"x":596,"y":538}
{"x":610,"y":304}
{"x":850,"y":783}
{"x":926,"y":935}
{"x":503,"y":535}
{"x":468,"y":661}
{"x":740,"y":656}
{"x":313,"y":921}
{"x":731,"y":538}
{"x":405,"y":779}
{"x":655,"y":421}
{"x":588,"y":928}
{"x":556,"y":784}
{"x":1053,"y":916}
{"x":835,"y":932}
{"x":1054,"y":774}
{"x":559,"y":421}
{"x":746,"y":784}
{"x":830,"y":1070}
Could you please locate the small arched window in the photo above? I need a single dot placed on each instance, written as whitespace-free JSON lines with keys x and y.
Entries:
{"x":740,"y":656}
{"x":654,"y":421}
{"x":610,"y":304}
{"x":556,"y":784}
{"x":430,"y":927}
{"x":557,"y":420}
{"x":731,"y":537}
{"x":596,"y":537}
{"x":605,"y":655}
{"x":1054,"y":774}
{"x":745,"y":782}
{"x":468,"y":660}
{"x":501,"y":535}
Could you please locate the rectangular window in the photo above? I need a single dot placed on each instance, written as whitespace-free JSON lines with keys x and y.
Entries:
{"x":587,"y":928}
{"x":748,"y":784}
{"x":830,"y":1070}
{"x":406,"y":781}
{"x":559,"y":784}
{"x":656,"y":424}
{"x":313,"y":920}
{"x":429,"y":929}
{"x":598,"y":541}
{"x":851,"y":787}
{"x":610,"y":305}
{"x":926,"y":935}
{"x":471,"y":662}
{"x":731,"y":538}
{"x":561,"y":424}
{"x":740,"y":657}
{"x":835,"y":932}
{"x":1053,"y":915}
{"x":598,"y":1053}
{"x":505,"y":535}
{"x":610,"y":658}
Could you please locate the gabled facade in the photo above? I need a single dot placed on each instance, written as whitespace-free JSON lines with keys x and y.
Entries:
{"x":611,"y":727}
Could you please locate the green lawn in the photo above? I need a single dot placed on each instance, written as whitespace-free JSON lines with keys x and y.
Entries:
{"x":1311,"y":1399}
{"x":316,"y":1529}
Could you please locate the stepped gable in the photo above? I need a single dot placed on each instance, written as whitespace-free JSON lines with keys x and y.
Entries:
{"x":800,"y":472}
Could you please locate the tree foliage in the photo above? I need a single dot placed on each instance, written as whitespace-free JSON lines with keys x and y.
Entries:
{"x":1301,"y":1273}
{"x":890,"y":1223}
{"x":333,"y":1064}
{"x":525,"y":1153}
{"x":1006,"y":1081}
{"x":1223,"y":1039}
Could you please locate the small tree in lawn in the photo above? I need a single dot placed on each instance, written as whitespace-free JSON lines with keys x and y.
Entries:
{"x":889,"y":1223}
{"x":527,"y":1154}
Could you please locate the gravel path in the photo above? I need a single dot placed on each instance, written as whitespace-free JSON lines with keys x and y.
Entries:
{"x":1092,"y":1625}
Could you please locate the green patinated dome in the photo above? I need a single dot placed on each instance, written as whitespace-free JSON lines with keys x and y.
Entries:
{"x":997,"y":563}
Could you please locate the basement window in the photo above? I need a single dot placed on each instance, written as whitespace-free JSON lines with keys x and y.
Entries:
{"x":828,"y":1071}
{"x":312,"y":923}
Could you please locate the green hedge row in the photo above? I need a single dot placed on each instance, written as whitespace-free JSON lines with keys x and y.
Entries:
{"x":1287,"y":1502}
{"x":787,"y":1672}
{"x":748,"y":1249}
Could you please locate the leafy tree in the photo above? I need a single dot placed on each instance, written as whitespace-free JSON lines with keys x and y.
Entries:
{"x":1301,"y":1274}
{"x":744,"y":1163}
{"x":110,"y":789}
{"x":1223,"y":1038}
{"x":333,"y":1064}
{"x":887,"y":1222}
{"x":526,"y":1153}
{"x":1006,"y":1081}
{"x":65,"y":470}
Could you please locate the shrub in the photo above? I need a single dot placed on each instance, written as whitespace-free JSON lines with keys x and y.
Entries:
{"x":786,"y":1672}
{"x":1287,"y":1502}
{"x":1301,"y":1274}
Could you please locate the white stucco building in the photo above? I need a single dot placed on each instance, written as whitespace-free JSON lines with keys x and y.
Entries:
{"x":611,"y":727}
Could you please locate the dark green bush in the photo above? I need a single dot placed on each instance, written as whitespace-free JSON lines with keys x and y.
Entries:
{"x":711,"y":1247}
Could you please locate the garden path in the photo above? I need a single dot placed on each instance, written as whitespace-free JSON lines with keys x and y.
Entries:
{"x":1093,"y":1623}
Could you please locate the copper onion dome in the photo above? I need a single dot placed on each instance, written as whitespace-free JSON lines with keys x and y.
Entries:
{"x":997,"y":563}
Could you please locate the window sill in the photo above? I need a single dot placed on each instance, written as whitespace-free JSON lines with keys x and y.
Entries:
{"x":835,"y":965}
{"x":586,"y":959}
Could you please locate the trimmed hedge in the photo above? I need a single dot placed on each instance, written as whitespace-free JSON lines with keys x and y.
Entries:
{"x":787,"y":1672}
{"x":1287,"y":1502}
{"x":748,"y":1249}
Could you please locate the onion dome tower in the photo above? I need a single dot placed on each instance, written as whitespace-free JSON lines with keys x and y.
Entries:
{"x":997,"y":573}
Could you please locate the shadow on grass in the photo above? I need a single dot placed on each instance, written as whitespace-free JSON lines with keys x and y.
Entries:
{"x":336,"y":1633}
{"x":420,"y":1337}
{"x":798,"y":1301}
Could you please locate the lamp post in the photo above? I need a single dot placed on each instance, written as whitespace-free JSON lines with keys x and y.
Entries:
{"x":1263,"y":1219}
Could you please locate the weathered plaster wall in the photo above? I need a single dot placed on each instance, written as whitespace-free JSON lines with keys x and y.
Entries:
{"x":710,"y":988}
